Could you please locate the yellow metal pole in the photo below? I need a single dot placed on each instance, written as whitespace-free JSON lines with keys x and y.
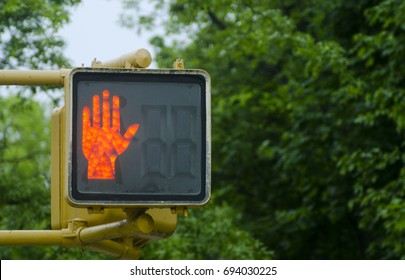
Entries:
{"x":33,"y":77}
{"x":62,"y":238}
{"x":142,"y":224}
{"x":30,"y":237}
{"x":138,"y":59}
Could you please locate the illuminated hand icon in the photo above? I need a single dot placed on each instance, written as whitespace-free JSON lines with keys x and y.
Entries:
{"x":102,"y":142}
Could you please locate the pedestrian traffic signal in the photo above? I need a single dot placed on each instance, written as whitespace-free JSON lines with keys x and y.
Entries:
{"x":138,"y":137}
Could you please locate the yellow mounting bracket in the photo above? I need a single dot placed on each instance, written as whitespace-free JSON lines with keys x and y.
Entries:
{"x":178,"y":64}
{"x":180,"y":210}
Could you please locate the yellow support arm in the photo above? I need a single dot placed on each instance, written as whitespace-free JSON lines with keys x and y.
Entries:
{"x":119,"y":239}
{"x":34,"y":77}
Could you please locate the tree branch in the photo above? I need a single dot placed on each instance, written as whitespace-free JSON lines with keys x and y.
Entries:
{"x":216,"y":21}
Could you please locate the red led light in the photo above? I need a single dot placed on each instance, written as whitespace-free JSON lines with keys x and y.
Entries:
{"x":102,"y":142}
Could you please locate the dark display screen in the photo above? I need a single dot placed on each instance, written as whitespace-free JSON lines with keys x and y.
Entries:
{"x":138,"y":138}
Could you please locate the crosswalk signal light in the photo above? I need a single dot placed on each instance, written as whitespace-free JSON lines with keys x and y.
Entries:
{"x":138,"y":137}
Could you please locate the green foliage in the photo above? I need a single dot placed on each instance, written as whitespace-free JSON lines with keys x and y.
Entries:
{"x":211,"y":233}
{"x":308,"y":118}
{"x":28,"y":33}
{"x":24,"y":172}
{"x":24,"y":159}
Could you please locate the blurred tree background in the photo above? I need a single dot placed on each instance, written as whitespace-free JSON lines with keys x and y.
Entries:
{"x":308,"y":123}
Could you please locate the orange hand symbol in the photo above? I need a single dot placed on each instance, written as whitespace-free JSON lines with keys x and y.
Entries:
{"x":102,"y":144}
